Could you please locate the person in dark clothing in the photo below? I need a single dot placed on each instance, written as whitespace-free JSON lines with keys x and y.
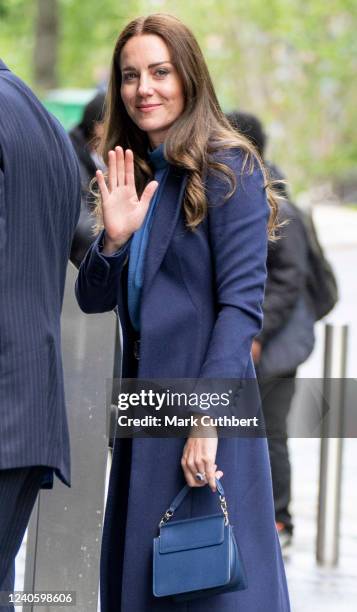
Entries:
{"x":84,"y":137}
{"x":287,"y":337}
{"x":184,"y":267}
{"x":39,"y":208}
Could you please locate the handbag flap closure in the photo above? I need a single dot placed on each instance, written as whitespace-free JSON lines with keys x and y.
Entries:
{"x":192,"y":533}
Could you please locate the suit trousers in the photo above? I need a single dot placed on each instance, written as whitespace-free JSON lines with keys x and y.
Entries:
{"x":19,"y":488}
{"x":277,"y":395}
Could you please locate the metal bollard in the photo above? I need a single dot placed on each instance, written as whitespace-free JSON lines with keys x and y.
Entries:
{"x":333,"y":397}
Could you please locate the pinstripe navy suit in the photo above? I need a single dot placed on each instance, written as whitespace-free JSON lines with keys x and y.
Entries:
{"x":39,"y":208}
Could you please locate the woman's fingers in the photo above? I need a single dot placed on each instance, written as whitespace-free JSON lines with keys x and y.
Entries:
{"x":199,"y":468}
{"x":199,"y":455}
{"x":148,"y":193}
{"x":112,"y":171}
{"x":211,"y":476}
{"x":102,"y":185}
{"x":120,"y":167}
{"x":190,"y":479}
{"x":193,"y":463}
{"x":192,"y":466}
{"x":129,"y":169}
{"x":188,"y":466}
{"x":190,"y":476}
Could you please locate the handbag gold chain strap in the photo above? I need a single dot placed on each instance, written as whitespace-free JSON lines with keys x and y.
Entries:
{"x":169,"y":513}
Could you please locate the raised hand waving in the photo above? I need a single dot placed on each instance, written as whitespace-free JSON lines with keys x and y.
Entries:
{"x":123,"y":212}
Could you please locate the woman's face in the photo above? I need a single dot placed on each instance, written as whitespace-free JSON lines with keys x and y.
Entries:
{"x":151,"y":88}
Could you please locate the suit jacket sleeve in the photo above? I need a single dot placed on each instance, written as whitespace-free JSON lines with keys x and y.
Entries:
{"x":98,"y":278}
{"x":83,"y":235}
{"x":238,"y":240}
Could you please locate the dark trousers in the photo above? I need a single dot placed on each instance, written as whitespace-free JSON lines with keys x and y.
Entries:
{"x":18,"y":491}
{"x":277,"y":395}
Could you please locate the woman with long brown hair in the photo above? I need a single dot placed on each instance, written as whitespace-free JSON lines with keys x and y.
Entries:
{"x":186,"y":211}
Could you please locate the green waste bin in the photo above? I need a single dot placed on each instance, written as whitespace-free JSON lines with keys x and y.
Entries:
{"x":67,"y":104}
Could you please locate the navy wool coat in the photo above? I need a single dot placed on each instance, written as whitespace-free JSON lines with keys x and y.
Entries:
{"x":201,"y":308}
{"x":39,"y":208}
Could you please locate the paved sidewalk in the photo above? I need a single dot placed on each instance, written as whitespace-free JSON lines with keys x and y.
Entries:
{"x":313,"y":588}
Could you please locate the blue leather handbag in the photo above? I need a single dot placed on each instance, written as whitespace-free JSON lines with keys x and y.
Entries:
{"x":196,"y":557}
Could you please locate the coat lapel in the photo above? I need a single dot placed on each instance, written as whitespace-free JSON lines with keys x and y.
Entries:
{"x":164,"y":222}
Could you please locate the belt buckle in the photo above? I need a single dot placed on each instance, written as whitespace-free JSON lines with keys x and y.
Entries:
{"x":136,"y":349}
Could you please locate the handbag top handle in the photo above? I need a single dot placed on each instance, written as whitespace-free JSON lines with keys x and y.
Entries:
{"x":181,"y":496}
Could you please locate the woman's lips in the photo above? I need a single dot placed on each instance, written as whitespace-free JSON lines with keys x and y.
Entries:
{"x":148,"y":107}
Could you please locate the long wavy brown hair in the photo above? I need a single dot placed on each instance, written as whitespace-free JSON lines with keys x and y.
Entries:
{"x":199,"y":132}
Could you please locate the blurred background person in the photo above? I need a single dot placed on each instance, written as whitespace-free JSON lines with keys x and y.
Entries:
{"x":287,"y":337}
{"x":85,"y":137}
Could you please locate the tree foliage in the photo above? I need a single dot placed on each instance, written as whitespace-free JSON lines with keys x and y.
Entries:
{"x":292,"y":63}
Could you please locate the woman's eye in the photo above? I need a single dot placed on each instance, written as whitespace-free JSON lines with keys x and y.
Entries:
{"x":129,"y":76}
{"x":161,"y":72}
